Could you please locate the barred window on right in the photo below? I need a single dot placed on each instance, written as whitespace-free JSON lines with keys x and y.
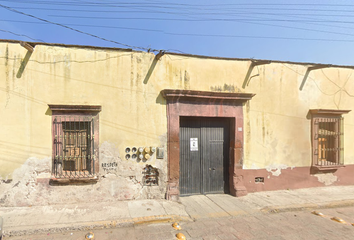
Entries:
{"x":327,"y":138}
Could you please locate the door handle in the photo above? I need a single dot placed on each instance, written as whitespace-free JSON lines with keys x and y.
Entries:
{"x":211,"y":169}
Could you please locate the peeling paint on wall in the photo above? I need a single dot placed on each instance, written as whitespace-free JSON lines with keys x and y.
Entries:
{"x":253,"y":166}
{"x":24,"y":190}
{"x":123,"y":180}
{"x":326,"y":178}
{"x":275,"y":169}
{"x":67,"y":67}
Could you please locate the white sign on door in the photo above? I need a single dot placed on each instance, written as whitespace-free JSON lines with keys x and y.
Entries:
{"x":194,"y":144}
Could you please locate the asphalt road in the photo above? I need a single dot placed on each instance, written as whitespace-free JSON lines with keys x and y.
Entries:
{"x":297,"y":225}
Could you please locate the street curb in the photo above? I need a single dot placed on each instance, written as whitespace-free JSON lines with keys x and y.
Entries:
{"x":308,"y":206}
{"x":129,"y":222}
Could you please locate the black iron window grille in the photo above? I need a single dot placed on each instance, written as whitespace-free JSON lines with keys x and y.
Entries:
{"x":328,"y":140}
{"x":73,"y":151}
{"x":75,"y":138}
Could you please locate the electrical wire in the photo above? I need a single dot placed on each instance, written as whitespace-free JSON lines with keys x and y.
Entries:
{"x":213,"y":13}
{"x":153,"y":11}
{"x":73,"y":29}
{"x":183,"y":12}
{"x":339,"y":91}
{"x":201,"y":20}
{"x":75,"y":3}
{"x":201,"y":35}
{"x":21,"y":35}
{"x":261,"y":37}
{"x":308,"y":20}
{"x":242,"y":20}
{"x":187,"y":7}
{"x":192,"y":11}
{"x":72,"y":60}
{"x":85,"y":25}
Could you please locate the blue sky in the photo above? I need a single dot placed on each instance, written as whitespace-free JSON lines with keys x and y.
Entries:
{"x":301,"y":31}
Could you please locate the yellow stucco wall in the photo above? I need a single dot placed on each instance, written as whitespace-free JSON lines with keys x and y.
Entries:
{"x":276,"y":126}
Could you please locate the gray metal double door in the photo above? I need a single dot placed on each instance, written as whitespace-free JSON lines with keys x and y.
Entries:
{"x":204,"y":155}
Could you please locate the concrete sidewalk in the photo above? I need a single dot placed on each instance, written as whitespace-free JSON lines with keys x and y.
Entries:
{"x":221,"y":205}
{"x":57,"y":218}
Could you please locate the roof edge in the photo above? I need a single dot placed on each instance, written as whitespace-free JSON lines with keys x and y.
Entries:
{"x":67,"y":45}
{"x":255,"y":60}
{"x":177,"y":54}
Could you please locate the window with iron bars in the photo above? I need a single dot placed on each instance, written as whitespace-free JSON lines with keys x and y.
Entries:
{"x":75,"y":141}
{"x":327,"y":138}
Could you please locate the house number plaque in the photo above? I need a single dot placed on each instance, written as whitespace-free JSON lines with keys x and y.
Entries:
{"x":194,"y":144}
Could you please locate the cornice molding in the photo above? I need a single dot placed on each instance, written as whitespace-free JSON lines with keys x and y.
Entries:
{"x":328,"y":111}
{"x":75,"y":108}
{"x":204,"y":96}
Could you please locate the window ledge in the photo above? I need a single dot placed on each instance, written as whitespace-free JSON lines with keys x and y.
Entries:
{"x":74,"y":180}
{"x":328,"y":167}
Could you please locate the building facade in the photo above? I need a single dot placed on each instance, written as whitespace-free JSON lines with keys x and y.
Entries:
{"x":83,"y":123}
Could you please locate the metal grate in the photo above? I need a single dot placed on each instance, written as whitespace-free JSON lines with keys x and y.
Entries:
{"x":73,"y":144}
{"x":150,"y":176}
{"x":328,"y":141}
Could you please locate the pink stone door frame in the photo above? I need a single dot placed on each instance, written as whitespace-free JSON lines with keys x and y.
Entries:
{"x":204,"y":104}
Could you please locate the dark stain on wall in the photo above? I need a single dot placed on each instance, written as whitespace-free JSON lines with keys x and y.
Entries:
{"x":186,"y":80}
{"x":7,"y":76}
{"x":225,"y":88}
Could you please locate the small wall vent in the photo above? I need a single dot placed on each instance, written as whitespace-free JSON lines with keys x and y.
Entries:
{"x":259,"y":179}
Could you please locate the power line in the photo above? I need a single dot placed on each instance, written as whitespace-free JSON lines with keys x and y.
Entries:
{"x":194,"y":13}
{"x":260,"y":37}
{"x":21,"y":35}
{"x":73,"y":61}
{"x":191,"y":6}
{"x":208,"y":35}
{"x":146,"y":6}
{"x":203,"y":13}
{"x":73,"y":29}
{"x":202,"y":20}
{"x":312,"y":21}
{"x":86,"y":25}
{"x":188,"y":4}
{"x":251,"y":21}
